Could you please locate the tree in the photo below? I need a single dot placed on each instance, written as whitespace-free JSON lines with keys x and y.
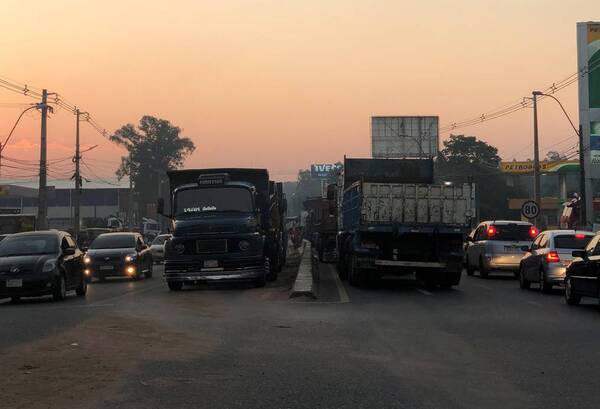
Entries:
{"x":554,"y":155}
{"x":154,"y":147}
{"x":468,"y":159}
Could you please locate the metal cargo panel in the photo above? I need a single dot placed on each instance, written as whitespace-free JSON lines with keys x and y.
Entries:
{"x":388,"y":171}
{"x":404,"y":136}
{"x":415,"y":203}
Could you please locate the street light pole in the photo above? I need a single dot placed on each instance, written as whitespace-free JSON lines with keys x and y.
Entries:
{"x":3,"y":145}
{"x":536,"y":157}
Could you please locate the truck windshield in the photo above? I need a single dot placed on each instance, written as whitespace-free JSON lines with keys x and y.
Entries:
{"x":193,"y":202}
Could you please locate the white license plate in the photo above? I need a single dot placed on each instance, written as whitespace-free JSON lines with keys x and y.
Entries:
{"x":106,"y":267}
{"x":211,"y":263}
{"x":16,"y":283}
{"x":511,"y":249}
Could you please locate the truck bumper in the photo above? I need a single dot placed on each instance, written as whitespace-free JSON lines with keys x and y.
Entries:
{"x":192,"y":272}
{"x":401,"y":267}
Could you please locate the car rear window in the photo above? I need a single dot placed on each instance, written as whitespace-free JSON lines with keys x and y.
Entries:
{"x":510,"y":232}
{"x":571,"y":241}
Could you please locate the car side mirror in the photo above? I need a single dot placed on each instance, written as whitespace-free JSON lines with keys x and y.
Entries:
{"x":579,"y":253}
{"x":69,"y":251}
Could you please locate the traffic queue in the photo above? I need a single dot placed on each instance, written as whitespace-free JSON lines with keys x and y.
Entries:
{"x":565,"y":258}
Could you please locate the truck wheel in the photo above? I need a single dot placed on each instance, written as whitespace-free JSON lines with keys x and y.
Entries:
{"x":260,"y":282}
{"x":452,"y":278}
{"x":483,"y":271}
{"x":175,"y":285}
{"x":356,"y":277}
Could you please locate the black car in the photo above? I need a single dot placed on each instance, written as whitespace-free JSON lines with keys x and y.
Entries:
{"x":583,"y":274}
{"x":40,"y":263}
{"x":118,"y":255}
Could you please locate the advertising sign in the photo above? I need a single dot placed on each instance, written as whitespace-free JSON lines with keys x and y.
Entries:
{"x":394,"y":137}
{"x":323,"y":170}
{"x":588,"y":63}
{"x":524,"y":167}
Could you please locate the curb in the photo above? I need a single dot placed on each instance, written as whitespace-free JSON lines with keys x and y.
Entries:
{"x":304,"y":284}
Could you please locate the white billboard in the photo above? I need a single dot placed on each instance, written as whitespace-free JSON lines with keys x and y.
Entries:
{"x":404,"y":136}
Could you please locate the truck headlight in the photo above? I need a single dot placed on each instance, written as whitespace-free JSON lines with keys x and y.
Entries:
{"x":49,"y":266}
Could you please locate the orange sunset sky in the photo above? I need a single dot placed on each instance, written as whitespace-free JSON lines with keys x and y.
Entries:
{"x":283,"y":84}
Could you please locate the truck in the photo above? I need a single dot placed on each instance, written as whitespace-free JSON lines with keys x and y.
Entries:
{"x":321,"y":226}
{"x":395,"y":220}
{"x":223,"y":223}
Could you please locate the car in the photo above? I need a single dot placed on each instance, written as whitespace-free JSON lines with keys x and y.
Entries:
{"x":3,"y":236}
{"x":122,"y":254}
{"x":41,"y":263}
{"x":158,"y":247}
{"x":582,"y":278}
{"x":546,"y":260}
{"x":497,"y":245}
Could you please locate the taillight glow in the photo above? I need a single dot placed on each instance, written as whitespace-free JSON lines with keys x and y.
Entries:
{"x":552,"y":257}
{"x":580,"y":236}
{"x":533,"y":232}
{"x":491,"y":231}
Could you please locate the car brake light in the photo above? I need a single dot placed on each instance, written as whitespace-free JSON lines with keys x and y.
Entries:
{"x":492,"y":231}
{"x":580,"y":236}
{"x":533,"y":232}
{"x":552,"y":257}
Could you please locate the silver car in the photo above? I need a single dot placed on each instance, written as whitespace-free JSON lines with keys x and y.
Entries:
{"x":158,"y":247}
{"x":497,"y":246}
{"x":546,"y":261}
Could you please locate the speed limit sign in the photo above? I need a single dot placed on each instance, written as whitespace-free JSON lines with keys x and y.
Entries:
{"x":530,"y":209}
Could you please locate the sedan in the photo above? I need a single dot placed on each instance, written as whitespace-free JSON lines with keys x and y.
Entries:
{"x":41,"y":263}
{"x":546,"y":260}
{"x":118,"y":255}
{"x":158,"y":247}
{"x":583,"y":275}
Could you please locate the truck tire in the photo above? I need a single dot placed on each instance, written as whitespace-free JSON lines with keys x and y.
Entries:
{"x":175,"y":285}
{"x":451,"y":279}
{"x":356,"y":276}
{"x":260,"y":282}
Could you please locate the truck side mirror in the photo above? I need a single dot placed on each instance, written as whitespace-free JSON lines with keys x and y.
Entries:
{"x":160,"y":206}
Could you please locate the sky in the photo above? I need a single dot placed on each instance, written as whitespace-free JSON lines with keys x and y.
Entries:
{"x":283,"y":84}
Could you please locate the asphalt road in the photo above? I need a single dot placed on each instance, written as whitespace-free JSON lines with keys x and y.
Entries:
{"x":485,"y":344}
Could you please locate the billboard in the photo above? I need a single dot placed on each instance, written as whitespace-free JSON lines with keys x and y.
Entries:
{"x":324,"y":170}
{"x":404,"y":136}
{"x":526,"y":167}
{"x":588,"y":64}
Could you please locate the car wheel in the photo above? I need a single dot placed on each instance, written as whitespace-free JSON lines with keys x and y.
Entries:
{"x":523,"y":282}
{"x":483,"y":271}
{"x":175,"y":285}
{"x":469,"y":267}
{"x":81,"y":290}
{"x":570,"y":297}
{"x":59,"y":292}
{"x":545,"y":287}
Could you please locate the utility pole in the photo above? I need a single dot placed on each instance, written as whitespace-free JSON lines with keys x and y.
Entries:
{"x":536,"y":157}
{"x":42,"y":214}
{"x":77,"y":160}
{"x":130,"y":199}
{"x":582,"y":209}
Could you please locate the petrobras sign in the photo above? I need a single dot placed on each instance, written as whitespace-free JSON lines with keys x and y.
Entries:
{"x":324,"y":170}
{"x":588,"y":64}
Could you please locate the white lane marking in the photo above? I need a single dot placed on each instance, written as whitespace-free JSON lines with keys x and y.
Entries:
{"x":485,"y":287}
{"x":537,"y":304}
{"x":128,"y":293}
{"x":340,"y":286}
{"x":425,"y":292}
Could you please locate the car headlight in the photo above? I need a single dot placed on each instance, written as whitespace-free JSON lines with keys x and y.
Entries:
{"x":130,"y":257}
{"x":49,"y":266}
{"x":87,"y":260}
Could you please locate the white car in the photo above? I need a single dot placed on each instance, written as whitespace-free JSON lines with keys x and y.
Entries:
{"x":158,"y":247}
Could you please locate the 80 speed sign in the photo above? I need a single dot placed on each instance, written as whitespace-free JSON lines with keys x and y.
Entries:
{"x":530,"y":209}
